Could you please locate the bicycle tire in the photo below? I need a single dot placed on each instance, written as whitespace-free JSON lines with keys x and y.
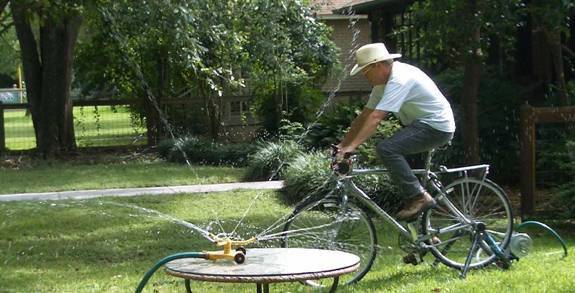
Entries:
{"x":348,"y":229}
{"x":479,"y":200}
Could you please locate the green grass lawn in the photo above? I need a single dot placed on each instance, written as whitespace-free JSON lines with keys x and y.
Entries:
{"x":108,"y":244}
{"x":94,"y":126}
{"x":111,"y":172}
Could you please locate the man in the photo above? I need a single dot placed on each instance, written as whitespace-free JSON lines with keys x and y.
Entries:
{"x":425,"y":113}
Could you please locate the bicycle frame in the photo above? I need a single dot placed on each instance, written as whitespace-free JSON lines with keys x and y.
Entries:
{"x":430,"y":178}
{"x":437,"y":231}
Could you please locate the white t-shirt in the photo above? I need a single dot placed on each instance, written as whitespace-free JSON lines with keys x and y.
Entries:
{"x":411,"y":95}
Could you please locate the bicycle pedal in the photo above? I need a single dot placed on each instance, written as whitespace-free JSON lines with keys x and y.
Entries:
{"x":412,"y":258}
{"x":503,"y":264}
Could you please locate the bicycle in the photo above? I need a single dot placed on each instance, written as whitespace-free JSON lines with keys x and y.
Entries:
{"x":469,"y":228}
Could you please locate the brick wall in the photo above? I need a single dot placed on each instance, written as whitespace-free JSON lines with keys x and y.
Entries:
{"x":342,"y":36}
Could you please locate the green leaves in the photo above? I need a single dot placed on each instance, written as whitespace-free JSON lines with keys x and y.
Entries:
{"x":449,"y":26}
{"x":213,"y":44}
{"x":204,"y":48}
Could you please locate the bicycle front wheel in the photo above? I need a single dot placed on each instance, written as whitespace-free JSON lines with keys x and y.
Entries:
{"x":480,"y":201}
{"x":326,"y":224}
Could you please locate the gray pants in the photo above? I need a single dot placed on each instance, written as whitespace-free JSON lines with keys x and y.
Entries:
{"x":412,"y":139}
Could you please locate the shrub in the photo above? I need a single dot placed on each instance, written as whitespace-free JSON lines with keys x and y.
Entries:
{"x":310,"y":174}
{"x":306,"y":174}
{"x":382,"y":190}
{"x":566,"y":191}
{"x":291,"y":130}
{"x":165,"y":148}
{"x":333,"y":125}
{"x":201,"y":151}
{"x":566,"y":198}
{"x":270,"y":159}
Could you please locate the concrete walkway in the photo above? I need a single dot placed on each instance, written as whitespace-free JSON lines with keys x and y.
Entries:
{"x":85,"y":194}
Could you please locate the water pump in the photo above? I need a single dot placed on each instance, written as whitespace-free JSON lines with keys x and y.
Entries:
{"x":521,"y":244}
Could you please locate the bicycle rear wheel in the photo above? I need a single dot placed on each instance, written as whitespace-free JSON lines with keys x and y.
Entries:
{"x":480,"y":201}
{"x":326,"y":224}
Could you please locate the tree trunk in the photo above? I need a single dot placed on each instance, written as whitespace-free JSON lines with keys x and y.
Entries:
{"x":152,"y":122}
{"x":162,"y":69}
{"x":153,"y":102}
{"x":47,"y":62}
{"x":32,"y":66}
{"x":554,"y":42}
{"x":214,"y":116}
{"x":278,"y":105}
{"x":471,"y":79}
{"x":470,"y":130}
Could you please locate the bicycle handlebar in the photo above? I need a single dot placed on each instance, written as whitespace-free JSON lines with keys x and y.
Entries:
{"x":344,"y":166}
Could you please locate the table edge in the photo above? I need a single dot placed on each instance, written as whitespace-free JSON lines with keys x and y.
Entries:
{"x":264,"y":278}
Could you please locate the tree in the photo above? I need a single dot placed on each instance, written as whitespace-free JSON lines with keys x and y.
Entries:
{"x":459,"y":33}
{"x":551,"y":18}
{"x":47,"y":32}
{"x":291,"y":53}
{"x":3,"y":4}
{"x":10,"y":52}
{"x":206,"y":49}
{"x":8,"y":48}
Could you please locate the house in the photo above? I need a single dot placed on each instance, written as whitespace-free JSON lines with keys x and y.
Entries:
{"x":349,"y":31}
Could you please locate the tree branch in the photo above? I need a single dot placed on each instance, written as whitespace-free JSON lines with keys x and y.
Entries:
{"x":568,"y":51}
{"x":6,"y":27}
{"x":3,"y":4}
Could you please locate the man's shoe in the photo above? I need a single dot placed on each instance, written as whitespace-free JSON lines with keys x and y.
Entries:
{"x":415,"y":207}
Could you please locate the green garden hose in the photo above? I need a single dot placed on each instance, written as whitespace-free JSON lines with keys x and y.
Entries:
{"x":165,"y":260}
{"x":548,"y":229}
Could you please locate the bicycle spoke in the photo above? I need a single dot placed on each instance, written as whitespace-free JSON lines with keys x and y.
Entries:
{"x":329,"y":225}
{"x":480,"y":201}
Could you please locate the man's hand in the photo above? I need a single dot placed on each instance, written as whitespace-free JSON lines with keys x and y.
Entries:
{"x":342,"y":150}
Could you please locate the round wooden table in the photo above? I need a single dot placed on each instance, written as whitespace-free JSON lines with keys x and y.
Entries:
{"x":268,"y":265}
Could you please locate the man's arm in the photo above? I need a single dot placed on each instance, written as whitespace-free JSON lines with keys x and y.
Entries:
{"x":362,"y":128}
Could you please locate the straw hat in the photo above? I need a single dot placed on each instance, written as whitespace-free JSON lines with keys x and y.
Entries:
{"x":370,"y":54}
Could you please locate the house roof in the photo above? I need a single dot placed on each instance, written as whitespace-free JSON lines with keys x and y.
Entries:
{"x":326,"y":7}
{"x":365,"y":6}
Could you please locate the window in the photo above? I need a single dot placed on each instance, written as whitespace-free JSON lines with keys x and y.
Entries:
{"x":405,"y":35}
{"x":238,"y":108}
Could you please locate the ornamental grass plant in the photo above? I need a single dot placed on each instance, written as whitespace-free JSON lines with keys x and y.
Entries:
{"x":271,"y":160}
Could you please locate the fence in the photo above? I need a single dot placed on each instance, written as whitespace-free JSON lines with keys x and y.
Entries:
{"x":531,"y":119}
{"x":96,"y":124}
{"x":12,"y":96}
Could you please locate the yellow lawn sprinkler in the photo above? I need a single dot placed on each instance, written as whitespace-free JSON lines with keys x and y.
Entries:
{"x":238,"y":254}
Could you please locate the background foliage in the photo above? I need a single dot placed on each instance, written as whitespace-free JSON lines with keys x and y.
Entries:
{"x":204,"y":151}
{"x":499,"y":104}
{"x":206,"y":50}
